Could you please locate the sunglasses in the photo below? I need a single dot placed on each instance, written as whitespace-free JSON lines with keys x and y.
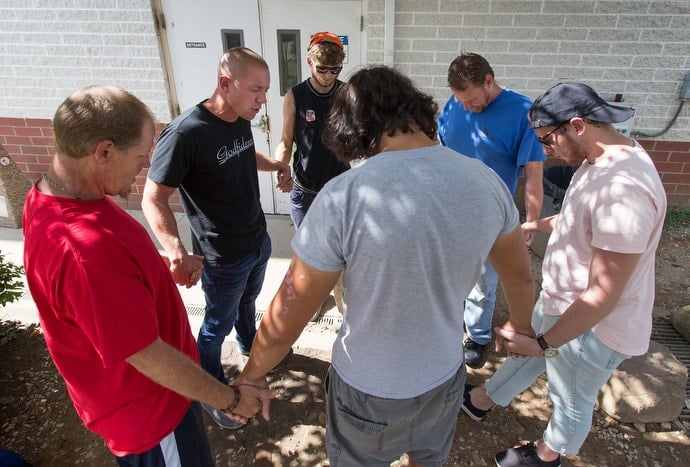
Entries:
{"x":543,"y":140}
{"x":334,"y":70}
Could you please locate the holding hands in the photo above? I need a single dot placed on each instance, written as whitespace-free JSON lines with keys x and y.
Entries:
{"x":186,"y":269}
{"x":517,"y":342}
{"x":283,"y":178}
{"x":251,"y":397}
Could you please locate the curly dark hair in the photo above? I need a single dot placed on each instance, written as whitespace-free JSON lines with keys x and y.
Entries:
{"x":468,"y":68}
{"x":375,"y":100}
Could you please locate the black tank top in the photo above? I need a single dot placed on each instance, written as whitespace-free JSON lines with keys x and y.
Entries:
{"x":313,"y":163}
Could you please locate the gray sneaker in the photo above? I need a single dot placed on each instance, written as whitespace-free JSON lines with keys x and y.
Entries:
{"x":221,"y":419}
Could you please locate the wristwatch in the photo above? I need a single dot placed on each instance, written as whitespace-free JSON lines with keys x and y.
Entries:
{"x":547,"y":350}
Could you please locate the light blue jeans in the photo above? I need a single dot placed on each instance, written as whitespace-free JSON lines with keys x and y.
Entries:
{"x":479,"y":306}
{"x":574,"y":376}
{"x":231,"y":291}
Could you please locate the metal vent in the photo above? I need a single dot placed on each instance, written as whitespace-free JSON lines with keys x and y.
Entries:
{"x":327,"y":319}
{"x":195,"y":310}
{"x":664,"y":333}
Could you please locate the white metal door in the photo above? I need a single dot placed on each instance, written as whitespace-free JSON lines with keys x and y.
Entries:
{"x":196,"y":34}
{"x":304,"y":17}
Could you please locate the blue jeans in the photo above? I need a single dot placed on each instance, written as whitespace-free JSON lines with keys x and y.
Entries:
{"x":479,"y":306}
{"x":230,"y":291}
{"x":574,"y":376}
{"x":300,"y":201}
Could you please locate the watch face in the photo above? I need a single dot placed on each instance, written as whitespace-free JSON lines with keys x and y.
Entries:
{"x":550,"y":353}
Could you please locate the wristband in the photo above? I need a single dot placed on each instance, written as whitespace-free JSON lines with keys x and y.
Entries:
{"x":235,"y":401}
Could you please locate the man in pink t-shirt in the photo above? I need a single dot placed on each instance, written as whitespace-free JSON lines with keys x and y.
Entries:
{"x":595,"y":308}
{"x":113,"y":319}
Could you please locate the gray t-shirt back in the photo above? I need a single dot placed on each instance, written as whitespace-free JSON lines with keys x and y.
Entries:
{"x":410,"y":231}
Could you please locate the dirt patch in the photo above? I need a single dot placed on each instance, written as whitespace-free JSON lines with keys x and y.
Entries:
{"x":38,"y":421}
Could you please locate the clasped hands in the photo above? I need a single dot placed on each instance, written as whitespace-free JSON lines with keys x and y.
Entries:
{"x":255,"y":397}
{"x":185,"y":269}
{"x":517,"y":342}
{"x":284,"y":180}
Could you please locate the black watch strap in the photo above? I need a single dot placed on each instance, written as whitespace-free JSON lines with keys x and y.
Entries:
{"x":547,"y":350}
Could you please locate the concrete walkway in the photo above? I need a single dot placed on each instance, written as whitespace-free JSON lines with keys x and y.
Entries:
{"x":280,"y":229}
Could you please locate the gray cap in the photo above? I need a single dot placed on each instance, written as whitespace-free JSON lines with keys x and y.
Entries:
{"x":567,"y":100}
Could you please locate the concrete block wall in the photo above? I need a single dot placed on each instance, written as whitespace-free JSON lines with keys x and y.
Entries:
{"x":639,"y":49}
{"x":50,"y":48}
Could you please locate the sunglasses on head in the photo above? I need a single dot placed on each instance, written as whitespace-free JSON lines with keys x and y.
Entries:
{"x":334,"y":70}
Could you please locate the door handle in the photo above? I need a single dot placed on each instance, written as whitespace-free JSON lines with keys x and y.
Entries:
{"x":263,"y":124}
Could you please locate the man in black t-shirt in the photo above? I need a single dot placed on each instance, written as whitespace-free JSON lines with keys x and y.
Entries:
{"x":208,"y":154}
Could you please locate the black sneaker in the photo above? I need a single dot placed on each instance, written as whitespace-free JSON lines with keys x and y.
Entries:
{"x":524,"y":455}
{"x":474,"y":413}
{"x":474,"y":354}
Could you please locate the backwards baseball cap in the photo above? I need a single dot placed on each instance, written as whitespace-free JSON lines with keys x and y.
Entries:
{"x":567,"y":100}
{"x":321,"y":37}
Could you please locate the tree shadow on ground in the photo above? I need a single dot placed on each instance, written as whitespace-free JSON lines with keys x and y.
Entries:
{"x":295,"y":434}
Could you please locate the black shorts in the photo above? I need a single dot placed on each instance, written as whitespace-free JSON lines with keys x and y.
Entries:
{"x":186,"y":446}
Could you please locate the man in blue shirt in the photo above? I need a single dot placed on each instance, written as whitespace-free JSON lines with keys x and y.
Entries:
{"x":484,"y":121}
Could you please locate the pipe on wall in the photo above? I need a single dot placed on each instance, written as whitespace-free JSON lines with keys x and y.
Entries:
{"x":389,"y":33}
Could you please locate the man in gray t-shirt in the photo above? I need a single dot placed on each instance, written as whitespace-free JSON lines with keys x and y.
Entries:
{"x":409,"y":227}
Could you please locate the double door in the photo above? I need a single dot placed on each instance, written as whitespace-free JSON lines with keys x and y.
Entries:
{"x":195,"y":34}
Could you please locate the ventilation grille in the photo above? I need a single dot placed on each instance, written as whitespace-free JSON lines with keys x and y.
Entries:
{"x":664,"y":333}
{"x":329,"y":318}
{"x":195,"y":310}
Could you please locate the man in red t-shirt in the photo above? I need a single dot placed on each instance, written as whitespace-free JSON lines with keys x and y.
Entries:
{"x":112,"y":317}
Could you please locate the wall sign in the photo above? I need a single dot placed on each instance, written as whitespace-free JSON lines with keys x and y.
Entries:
{"x":345,"y":40}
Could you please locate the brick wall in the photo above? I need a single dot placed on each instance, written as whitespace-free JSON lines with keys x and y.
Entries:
{"x":29,"y":142}
{"x":672,"y":160}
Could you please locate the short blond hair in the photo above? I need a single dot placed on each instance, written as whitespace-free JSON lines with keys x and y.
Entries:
{"x":237,"y":60}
